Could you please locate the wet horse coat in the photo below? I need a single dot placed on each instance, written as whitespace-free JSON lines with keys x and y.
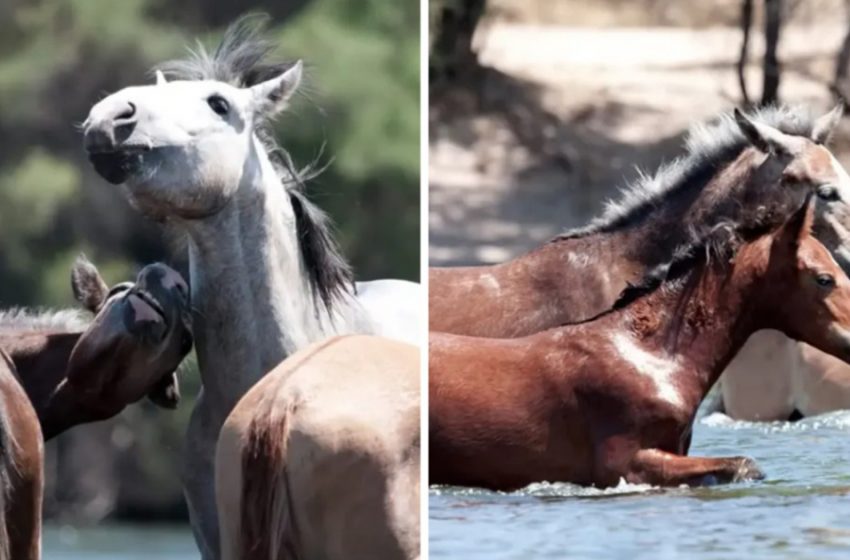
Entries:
{"x":615,"y":397}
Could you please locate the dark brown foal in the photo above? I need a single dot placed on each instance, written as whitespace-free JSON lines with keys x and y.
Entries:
{"x":615,"y":397}
{"x":733,"y":169}
{"x":58,"y":373}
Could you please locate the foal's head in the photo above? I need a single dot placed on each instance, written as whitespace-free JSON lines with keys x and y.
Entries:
{"x":810,"y":292}
{"x":140,"y":334}
{"x":803,"y":161}
{"x":183,"y":147}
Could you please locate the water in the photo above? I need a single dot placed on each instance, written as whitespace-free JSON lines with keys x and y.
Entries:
{"x":801,"y":511}
{"x":119,"y":542}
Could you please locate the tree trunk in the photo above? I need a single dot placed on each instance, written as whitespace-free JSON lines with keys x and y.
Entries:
{"x":772,"y":69}
{"x":452,"y":56}
{"x":746,"y":24}
{"x":839,"y":85}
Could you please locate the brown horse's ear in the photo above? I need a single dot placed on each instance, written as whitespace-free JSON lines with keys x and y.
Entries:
{"x":765,"y":138}
{"x":88,"y":286}
{"x":799,"y":225}
{"x":825,"y":125}
{"x":166,"y":393}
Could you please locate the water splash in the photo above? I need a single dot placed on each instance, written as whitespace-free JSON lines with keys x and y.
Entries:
{"x":838,"y":420}
{"x":553,"y":490}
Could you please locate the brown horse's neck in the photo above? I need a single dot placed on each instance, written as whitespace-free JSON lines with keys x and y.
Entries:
{"x":600,"y":265}
{"x":41,"y":360}
{"x":700,"y":320}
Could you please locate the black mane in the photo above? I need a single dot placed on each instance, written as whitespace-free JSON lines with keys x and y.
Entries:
{"x":721,"y":243}
{"x":708,"y":147}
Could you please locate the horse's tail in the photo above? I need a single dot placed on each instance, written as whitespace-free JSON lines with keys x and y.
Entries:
{"x":267,"y":525}
{"x":7,"y":468}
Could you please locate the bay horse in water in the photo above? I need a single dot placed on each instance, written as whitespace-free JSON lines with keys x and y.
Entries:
{"x":615,"y":397}
{"x":320,"y":459}
{"x":58,"y":371}
{"x":730,"y":168}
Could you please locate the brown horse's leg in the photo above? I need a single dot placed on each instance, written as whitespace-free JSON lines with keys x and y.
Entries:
{"x":24,"y":520}
{"x":23,"y":515}
{"x":653,"y":466}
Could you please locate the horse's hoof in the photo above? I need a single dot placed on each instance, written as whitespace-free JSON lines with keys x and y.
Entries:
{"x":747,"y":470}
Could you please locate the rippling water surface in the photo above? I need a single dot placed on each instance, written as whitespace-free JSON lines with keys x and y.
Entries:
{"x":802,"y":509}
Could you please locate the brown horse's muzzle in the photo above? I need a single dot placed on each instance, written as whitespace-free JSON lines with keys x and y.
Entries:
{"x":166,"y":393}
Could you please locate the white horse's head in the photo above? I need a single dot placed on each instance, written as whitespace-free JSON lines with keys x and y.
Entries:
{"x":183,"y":147}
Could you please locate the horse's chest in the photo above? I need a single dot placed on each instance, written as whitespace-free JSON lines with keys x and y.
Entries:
{"x":651,"y":376}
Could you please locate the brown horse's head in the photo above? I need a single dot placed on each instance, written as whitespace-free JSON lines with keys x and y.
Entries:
{"x":139,"y":336}
{"x":815,"y":305}
{"x":804,"y":162}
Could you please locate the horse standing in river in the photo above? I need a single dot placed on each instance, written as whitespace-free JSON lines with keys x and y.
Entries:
{"x":58,"y":371}
{"x":615,"y":397}
{"x":267,"y":277}
{"x":730,"y":167}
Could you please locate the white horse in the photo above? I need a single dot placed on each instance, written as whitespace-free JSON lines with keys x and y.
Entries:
{"x":266,"y":275}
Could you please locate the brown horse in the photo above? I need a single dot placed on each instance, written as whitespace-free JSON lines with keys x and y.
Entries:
{"x":320,"y":459}
{"x":57,"y":372}
{"x":615,"y":397}
{"x":731,"y":168}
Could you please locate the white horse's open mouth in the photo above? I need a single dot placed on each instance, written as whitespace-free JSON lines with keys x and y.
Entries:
{"x":119,"y":165}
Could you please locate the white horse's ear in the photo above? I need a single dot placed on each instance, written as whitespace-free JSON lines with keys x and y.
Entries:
{"x":766,"y":138}
{"x":272,"y":96}
{"x":825,"y":125}
{"x":160,"y":78}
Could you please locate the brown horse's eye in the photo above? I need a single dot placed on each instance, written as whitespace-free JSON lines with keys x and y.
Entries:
{"x":828,"y":193}
{"x":185,"y":343}
{"x":825,"y":280}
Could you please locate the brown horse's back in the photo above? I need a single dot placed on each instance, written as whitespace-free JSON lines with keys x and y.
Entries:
{"x":21,"y":468}
{"x":491,"y":301}
{"x":320,"y":459}
{"x":490,"y":404}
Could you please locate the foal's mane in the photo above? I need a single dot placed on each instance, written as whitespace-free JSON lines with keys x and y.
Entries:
{"x":22,"y":320}
{"x":709,"y":146}
{"x":720,"y":243}
{"x":242,"y":59}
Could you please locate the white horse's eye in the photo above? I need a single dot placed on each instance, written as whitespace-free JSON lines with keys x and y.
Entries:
{"x":218,"y":104}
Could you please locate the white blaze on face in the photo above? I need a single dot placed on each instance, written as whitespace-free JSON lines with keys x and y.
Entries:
{"x":658,"y":369}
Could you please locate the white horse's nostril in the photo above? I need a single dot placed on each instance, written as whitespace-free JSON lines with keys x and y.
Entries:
{"x":128,"y":113}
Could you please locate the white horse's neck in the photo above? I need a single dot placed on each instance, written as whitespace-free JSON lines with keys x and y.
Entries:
{"x":253,"y":298}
